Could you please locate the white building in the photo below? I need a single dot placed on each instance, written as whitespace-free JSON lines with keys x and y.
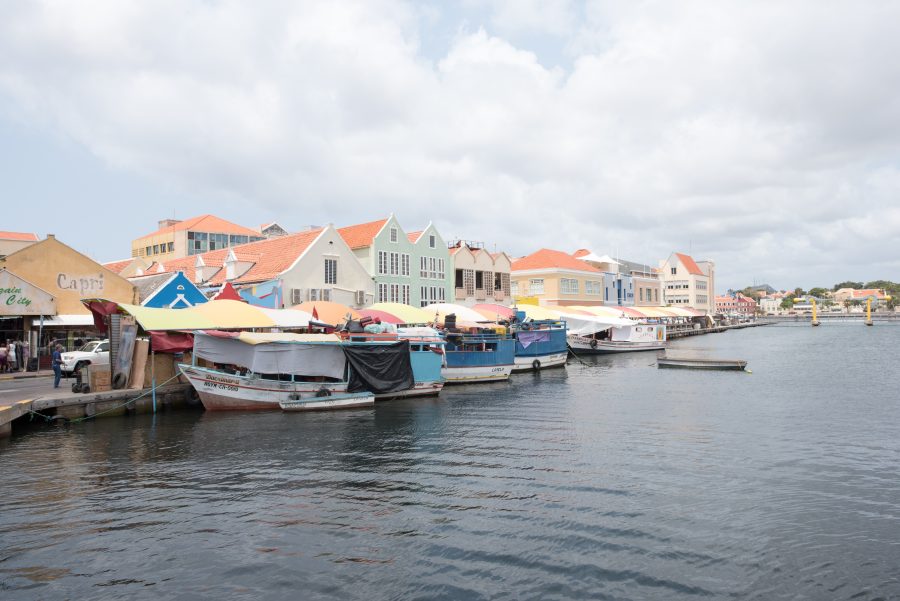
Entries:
{"x":479,"y":276}
{"x":688,"y":283}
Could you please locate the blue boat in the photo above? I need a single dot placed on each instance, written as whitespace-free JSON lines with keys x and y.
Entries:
{"x":539,"y":344}
{"x":482,"y":357}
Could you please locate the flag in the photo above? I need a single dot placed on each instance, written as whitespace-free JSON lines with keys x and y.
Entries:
{"x":315,"y":314}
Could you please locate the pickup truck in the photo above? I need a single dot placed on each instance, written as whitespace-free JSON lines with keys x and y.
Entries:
{"x":93,"y":353}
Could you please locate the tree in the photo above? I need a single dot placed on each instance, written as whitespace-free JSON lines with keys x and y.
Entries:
{"x":848,"y":284}
{"x":818,"y":292}
{"x":798,"y":292}
{"x":788,"y":302}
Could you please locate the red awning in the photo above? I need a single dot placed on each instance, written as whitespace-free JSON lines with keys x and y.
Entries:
{"x":228,"y":292}
{"x":171,"y":342}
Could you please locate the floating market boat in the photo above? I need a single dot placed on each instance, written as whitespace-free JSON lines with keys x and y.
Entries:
{"x":620,"y":339}
{"x":477,"y":357}
{"x":252,"y":371}
{"x":539,"y":344}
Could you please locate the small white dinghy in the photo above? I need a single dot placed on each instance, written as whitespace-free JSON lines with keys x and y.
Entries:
{"x":341,"y":400}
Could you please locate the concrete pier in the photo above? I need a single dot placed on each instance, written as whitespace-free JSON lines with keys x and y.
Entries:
{"x":114,"y":402}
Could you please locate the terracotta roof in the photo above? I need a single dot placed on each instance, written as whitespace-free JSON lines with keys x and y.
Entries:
{"x":866,"y":292}
{"x":548,"y":259}
{"x":361,"y":235}
{"x":689,"y":264}
{"x":118,"y":266}
{"x":414,"y":236}
{"x":270,"y":258}
{"x":24,"y":236}
{"x":205,"y":223}
{"x":581,"y":252}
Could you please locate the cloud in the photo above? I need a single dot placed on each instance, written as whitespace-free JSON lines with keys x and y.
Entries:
{"x":764,"y":136}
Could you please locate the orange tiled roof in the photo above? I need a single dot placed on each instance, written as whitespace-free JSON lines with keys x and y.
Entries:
{"x":581,"y":252}
{"x":866,"y":292}
{"x":689,"y":264}
{"x":118,"y":266}
{"x":270,"y":258}
{"x":549,"y":259}
{"x":414,"y":236}
{"x":360,"y":236}
{"x":24,"y":236}
{"x":206,"y":223}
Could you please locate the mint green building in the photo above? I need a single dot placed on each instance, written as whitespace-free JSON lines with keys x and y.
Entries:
{"x":409,"y":268}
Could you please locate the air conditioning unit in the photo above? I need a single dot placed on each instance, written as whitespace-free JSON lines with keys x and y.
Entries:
{"x":360,"y":297}
{"x":296,"y":296}
{"x":325,"y":294}
{"x":312,"y":294}
{"x":319,"y":294}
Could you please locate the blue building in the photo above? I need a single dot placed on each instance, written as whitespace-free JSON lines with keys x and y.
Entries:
{"x":167,"y":291}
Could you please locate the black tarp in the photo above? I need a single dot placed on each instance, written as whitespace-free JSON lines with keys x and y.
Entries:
{"x":379,"y":368}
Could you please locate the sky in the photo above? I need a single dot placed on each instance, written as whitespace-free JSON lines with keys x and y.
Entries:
{"x":764,"y":136}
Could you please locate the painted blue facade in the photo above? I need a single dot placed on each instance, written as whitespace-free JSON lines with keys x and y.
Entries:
{"x":178,"y":293}
{"x":618,"y":289}
{"x":268,"y":294}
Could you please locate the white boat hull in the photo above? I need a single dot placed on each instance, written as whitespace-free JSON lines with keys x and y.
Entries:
{"x":472,"y":374}
{"x":545,"y":361}
{"x":582,"y":345}
{"x":420,"y":389}
{"x":343,"y":401}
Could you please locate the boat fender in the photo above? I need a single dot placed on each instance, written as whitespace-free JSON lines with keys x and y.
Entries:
{"x":120,"y":380}
{"x":593,"y":343}
{"x":536,"y":365}
{"x":323,"y":392}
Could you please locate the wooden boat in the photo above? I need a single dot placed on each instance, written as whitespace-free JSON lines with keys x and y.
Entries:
{"x":539,"y":344}
{"x":621,"y":339}
{"x":344,"y":400}
{"x":473,"y":358}
{"x":719,"y":364}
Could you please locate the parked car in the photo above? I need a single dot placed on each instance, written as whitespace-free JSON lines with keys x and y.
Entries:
{"x":92,"y":353}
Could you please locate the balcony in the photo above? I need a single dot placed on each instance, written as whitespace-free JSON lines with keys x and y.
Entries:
{"x":499,"y":296}
{"x":460,"y":294}
{"x":480,"y":294}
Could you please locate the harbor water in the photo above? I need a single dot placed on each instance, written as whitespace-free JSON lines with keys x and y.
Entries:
{"x":609,"y":479}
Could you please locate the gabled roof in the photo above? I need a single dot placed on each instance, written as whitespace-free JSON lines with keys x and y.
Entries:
{"x":118,"y":266}
{"x":146,"y":285}
{"x":547,"y":258}
{"x":689,"y":264}
{"x":23,"y":236}
{"x":270,"y":258}
{"x":414,"y":236}
{"x":361,"y":235}
{"x":205,"y":223}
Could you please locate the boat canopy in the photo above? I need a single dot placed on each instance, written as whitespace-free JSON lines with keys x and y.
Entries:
{"x":405,"y":313}
{"x":213,"y":315}
{"x":274,"y":353}
{"x":463,"y":314}
{"x":581,"y":324}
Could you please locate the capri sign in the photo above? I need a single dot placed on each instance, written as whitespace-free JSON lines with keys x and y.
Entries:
{"x":19,"y":297}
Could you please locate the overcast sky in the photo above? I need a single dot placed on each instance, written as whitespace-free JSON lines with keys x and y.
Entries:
{"x":762,"y":135}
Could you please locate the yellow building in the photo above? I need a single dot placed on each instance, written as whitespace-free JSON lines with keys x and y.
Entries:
{"x":55,"y":277}
{"x":556,"y":278}
{"x":177,"y":239}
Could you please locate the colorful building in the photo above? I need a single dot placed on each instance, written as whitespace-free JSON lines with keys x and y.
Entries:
{"x":688,"y":283}
{"x":479,"y":276}
{"x":284,"y":271}
{"x":167,"y":291}
{"x":556,"y":278}
{"x":176,"y":239}
{"x":412,"y":269}
{"x":10,"y":242}
{"x":736,"y":304}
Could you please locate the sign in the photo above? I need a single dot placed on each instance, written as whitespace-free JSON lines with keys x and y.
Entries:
{"x":19,"y":297}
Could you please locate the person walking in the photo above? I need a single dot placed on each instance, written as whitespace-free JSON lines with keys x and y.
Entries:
{"x":13,"y":357}
{"x":4,"y":357}
{"x":26,"y":355}
{"x":57,"y":365}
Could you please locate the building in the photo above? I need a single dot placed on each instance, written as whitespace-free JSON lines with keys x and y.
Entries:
{"x":284,"y":271}
{"x":688,"y":283}
{"x":552,"y":277}
{"x":479,"y":276}
{"x":412,"y":269}
{"x":736,"y":304}
{"x":625,"y":283}
{"x":10,"y":242}
{"x":167,"y":291}
{"x":42,"y":290}
{"x":176,"y":239}
{"x":769,"y":304}
{"x":846,"y":296}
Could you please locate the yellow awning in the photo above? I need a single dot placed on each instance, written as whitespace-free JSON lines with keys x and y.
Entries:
{"x":406,"y":313}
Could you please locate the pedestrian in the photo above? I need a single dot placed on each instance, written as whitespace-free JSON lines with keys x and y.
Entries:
{"x":26,"y":355}
{"x":4,"y":353}
{"x":57,"y":365}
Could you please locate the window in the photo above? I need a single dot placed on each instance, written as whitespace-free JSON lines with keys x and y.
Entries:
{"x":171,"y":247}
{"x":431,"y":241}
{"x":395,"y":263}
{"x":382,"y":293}
{"x":423,"y":267}
{"x":404,"y":264}
{"x":404,"y":294}
{"x":331,"y":271}
{"x":459,"y":278}
{"x":156,"y":249}
{"x":382,"y":262}
{"x":393,"y":234}
{"x":514,"y":288}
{"x":674,"y":270}
{"x":234,"y":240}
{"x":149,"y":251}
{"x":395,"y":293}
{"x":218,"y":241}
{"x":479,"y":280}
{"x":536,"y":286}
{"x":593,"y":287}
{"x":568,"y":286}
{"x":498,"y":282}
{"x":656,"y":294}
{"x":641,"y":294}
{"x":197,"y":243}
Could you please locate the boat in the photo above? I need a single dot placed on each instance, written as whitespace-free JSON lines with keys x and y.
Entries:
{"x":539,"y":344}
{"x":338,"y":401}
{"x":254,"y":371}
{"x":620,"y":339}
{"x":719,"y":364}
{"x":477,"y":357}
